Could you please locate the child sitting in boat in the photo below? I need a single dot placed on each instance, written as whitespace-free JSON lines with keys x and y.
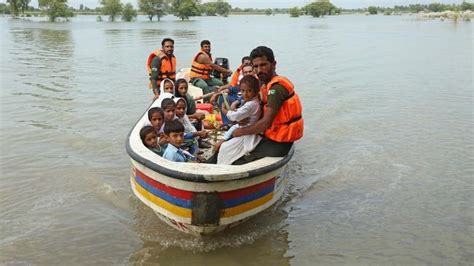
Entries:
{"x":194,"y":115}
{"x":190,"y":132}
{"x":156,"y":118}
{"x":150,"y":140}
{"x":174,"y":132}
{"x":234,"y":148}
{"x":169,"y":107}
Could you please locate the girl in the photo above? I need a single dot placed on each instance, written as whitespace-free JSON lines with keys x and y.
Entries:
{"x":157,"y":118}
{"x":181,"y":90}
{"x":166,"y":91}
{"x":150,"y":140}
{"x":190,"y":132}
{"x":234,"y":148}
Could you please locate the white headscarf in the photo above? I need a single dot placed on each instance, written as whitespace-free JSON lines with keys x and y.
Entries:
{"x":188,"y":126}
{"x":162,"y":86}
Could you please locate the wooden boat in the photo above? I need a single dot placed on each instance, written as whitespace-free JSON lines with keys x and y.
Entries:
{"x":202,"y":198}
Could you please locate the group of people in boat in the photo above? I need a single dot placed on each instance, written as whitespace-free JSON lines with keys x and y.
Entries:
{"x":263,"y":119}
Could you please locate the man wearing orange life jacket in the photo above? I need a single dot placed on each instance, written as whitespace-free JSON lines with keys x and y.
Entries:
{"x":282,"y":121}
{"x":201,"y":68}
{"x":161,"y":64}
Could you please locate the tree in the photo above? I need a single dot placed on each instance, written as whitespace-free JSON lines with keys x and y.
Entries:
{"x":55,"y":9}
{"x":216,"y":8}
{"x":467,"y":6}
{"x":294,"y":12}
{"x":320,"y":8}
{"x":129,"y":12}
{"x":268,"y":11}
{"x":185,"y":8}
{"x":14,"y":7}
{"x":372,"y":10}
{"x":23,"y":5}
{"x":152,"y":8}
{"x":223,"y":8}
{"x":112,"y":8}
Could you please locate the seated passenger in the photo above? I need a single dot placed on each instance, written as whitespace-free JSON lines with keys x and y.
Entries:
{"x":150,"y":140}
{"x":156,"y":117}
{"x":232,"y":92}
{"x":181,"y":90}
{"x":174,"y":132}
{"x":166,"y":91}
{"x":233,"y":148}
{"x":201,"y":68}
{"x":190,"y":132}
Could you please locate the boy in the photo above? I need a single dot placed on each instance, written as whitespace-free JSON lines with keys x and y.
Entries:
{"x":174,"y":132}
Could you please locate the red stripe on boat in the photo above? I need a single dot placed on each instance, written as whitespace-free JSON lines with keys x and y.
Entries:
{"x":177,"y":193}
{"x":246,"y":191}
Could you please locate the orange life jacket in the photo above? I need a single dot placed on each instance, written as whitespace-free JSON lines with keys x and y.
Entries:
{"x":167,"y":69}
{"x":199,"y":70}
{"x":288,"y":124}
{"x":235,"y":77}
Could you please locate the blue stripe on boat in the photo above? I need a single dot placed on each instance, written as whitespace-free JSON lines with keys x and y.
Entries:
{"x":247,"y":198}
{"x":164,"y":195}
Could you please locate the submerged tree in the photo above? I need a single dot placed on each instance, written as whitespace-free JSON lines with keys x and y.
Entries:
{"x":153,"y":8}
{"x":372,"y":10}
{"x":320,"y":8}
{"x":112,"y":8}
{"x":55,"y":9}
{"x":129,"y":12}
{"x":219,"y":7}
{"x":294,"y":12}
{"x":185,"y":8}
{"x":14,"y":7}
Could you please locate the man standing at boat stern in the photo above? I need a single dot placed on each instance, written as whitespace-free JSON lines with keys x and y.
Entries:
{"x":161,"y":64}
{"x":282,"y":121}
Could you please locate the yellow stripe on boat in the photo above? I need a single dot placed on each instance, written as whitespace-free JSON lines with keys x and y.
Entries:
{"x":162,"y":203}
{"x":247,"y":206}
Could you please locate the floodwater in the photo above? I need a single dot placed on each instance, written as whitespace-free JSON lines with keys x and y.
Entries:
{"x":383,"y":176}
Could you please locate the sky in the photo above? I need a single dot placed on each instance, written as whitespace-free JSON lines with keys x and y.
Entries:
{"x":282,"y":3}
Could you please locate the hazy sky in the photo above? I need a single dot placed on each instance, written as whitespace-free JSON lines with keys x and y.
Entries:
{"x":281,"y":3}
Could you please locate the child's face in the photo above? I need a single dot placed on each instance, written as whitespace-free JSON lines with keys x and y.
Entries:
{"x":183,"y":89}
{"x":168,"y":87}
{"x":156,"y":120}
{"x":247,"y":92}
{"x":248,"y":70}
{"x":176,"y":138}
{"x":180,"y":109}
{"x":151,"y":140}
{"x":169,"y":113}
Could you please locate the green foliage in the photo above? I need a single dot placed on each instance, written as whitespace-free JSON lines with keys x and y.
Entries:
{"x":55,"y":9}
{"x":185,"y":8}
{"x":153,"y":8}
{"x":112,"y":8}
{"x":129,"y":12}
{"x":467,"y":6}
{"x":320,"y":8}
{"x":220,"y":8}
{"x":294,"y":12}
{"x":14,"y":7}
{"x":372,"y":10}
{"x":268,"y":11}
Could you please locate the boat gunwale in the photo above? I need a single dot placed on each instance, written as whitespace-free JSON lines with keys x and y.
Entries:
{"x":199,"y":177}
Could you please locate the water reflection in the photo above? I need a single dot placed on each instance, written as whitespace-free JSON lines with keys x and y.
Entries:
{"x":152,"y":36}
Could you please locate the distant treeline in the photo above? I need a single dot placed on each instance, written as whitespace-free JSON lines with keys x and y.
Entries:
{"x":189,"y":8}
{"x":415,"y":8}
